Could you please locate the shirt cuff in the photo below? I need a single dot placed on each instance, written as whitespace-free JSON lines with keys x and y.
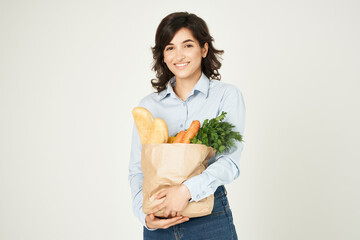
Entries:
{"x":196,"y":191}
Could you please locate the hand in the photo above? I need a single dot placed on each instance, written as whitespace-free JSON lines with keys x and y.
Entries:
{"x":176,"y":199}
{"x":154,"y":222}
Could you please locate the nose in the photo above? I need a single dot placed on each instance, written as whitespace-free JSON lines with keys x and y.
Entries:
{"x":179,"y":55}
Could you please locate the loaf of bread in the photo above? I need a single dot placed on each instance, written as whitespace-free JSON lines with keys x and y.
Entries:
{"x":143,"y":121}
{"x":159,"y":132}
{"x":150,"y":130}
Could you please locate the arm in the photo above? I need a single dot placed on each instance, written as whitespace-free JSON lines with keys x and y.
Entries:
{"x":136,"y":176}
{"x":226,"y":166}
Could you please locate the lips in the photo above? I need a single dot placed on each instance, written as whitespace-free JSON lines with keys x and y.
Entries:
{"x":181,"y":65}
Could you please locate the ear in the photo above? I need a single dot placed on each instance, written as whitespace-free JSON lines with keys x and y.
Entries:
{"x":204,"y":50}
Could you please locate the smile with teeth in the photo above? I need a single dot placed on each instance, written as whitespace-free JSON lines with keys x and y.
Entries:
{"x":181,"y":65}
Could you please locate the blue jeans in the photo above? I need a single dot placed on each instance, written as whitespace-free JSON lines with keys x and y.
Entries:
{"x":216,"y":226}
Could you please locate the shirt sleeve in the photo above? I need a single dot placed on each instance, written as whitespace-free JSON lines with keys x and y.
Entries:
{"x":226,"y":166}
{"x":136,"y":177}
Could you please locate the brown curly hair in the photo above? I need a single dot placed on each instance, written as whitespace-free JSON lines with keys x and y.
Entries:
{"x":165,"y":33}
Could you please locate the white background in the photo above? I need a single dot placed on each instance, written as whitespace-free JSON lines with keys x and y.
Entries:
{"x":71,"y":71}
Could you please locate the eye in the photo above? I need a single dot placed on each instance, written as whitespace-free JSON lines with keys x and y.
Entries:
{"x":188,"y":45}
{"x":168,"y":48}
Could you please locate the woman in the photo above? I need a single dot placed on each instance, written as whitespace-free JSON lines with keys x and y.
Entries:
{"x":188,"y":88}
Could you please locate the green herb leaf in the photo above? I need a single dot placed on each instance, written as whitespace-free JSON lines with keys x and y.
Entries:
{"x":217,"y":134}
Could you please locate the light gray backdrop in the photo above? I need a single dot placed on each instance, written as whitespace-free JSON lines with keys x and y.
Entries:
{"x":71,"y":71}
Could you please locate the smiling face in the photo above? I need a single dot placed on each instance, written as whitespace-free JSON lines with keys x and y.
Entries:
{"x":183,"y":55}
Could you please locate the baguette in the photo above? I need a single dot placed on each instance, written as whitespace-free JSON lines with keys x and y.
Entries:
{"x":143,"y":121}
{"x":159,"y":132}
{"x":150,"y":130}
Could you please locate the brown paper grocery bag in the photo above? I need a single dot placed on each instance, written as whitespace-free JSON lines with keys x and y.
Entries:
{"x":165,"y":165}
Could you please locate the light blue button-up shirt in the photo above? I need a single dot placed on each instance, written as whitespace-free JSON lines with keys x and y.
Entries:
{"x":207,"y":100}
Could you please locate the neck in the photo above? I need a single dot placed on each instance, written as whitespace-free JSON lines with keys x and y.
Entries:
{"x":183,"y":87}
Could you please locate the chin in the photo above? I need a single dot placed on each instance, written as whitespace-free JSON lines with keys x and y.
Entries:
{"x":183,"y":75}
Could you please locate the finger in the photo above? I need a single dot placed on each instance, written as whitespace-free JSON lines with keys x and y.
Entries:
{"x":184,"y":219}
{"x":166,"y":213}
{"x":161,"y":194}
{"x":165,"y":223}
{"x":173,"y":213}
{"x":181,"y":220}
{"x":157,"y":208}
{"x":152,"y":216}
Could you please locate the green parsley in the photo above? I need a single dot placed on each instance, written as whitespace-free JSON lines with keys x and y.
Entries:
{"x":217,"y":134}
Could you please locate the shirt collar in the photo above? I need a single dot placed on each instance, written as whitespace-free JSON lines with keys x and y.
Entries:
{"x":202,"y":86}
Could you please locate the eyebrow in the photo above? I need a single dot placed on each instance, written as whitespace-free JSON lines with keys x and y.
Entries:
{"x":188,"y":40}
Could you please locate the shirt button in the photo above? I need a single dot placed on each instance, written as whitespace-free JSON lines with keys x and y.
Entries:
{"x":198,"y":196}
{"x":181,"y":125}
{"x":203,"y":192}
